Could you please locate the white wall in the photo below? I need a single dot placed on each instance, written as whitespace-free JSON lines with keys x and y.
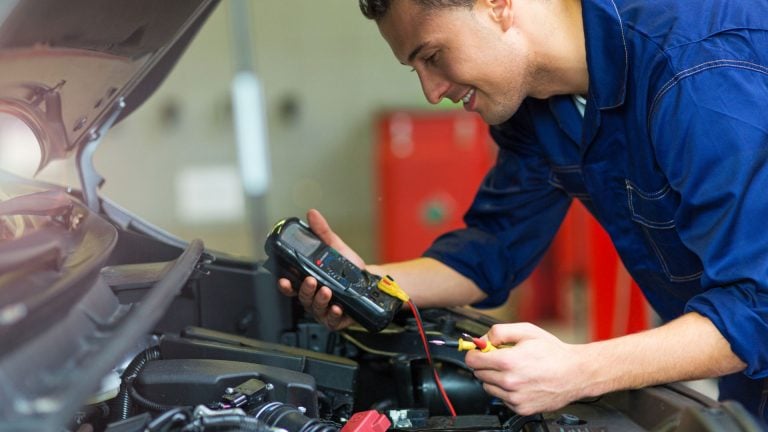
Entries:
{"x":322,"y":58}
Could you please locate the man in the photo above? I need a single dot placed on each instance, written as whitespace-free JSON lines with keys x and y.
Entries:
{"x":649,"y":112}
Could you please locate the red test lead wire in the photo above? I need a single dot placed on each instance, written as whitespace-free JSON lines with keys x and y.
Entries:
{"x":389,"y":286}
{"x":439,"y":384}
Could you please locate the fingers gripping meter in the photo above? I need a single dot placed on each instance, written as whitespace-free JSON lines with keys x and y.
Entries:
{"x":295,"y":252}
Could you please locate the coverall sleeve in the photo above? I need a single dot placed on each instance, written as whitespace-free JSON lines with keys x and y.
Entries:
{"x":710,"y":134}
{"x":512,"y":219}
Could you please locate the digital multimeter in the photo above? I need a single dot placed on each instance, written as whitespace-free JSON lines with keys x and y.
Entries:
{"x":295,"y":252}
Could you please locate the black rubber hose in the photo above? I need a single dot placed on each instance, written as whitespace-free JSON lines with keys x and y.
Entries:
{"x":123,"y":401}
{"x":167,"y":419}
{"x":146,"y":403}
{"x":227,"y":422}
{"x":290,"y":418}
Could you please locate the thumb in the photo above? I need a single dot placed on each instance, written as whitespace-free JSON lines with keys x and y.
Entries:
{"x":508,"y":334}
{"x":320,"y":226}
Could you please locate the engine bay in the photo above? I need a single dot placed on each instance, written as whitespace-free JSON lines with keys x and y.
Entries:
{"x":155,"y":334}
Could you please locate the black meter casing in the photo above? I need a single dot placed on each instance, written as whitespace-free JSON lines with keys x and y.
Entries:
{"x":295,"y":252}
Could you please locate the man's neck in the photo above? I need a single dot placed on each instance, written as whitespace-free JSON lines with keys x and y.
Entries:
{"x":557,"y":32}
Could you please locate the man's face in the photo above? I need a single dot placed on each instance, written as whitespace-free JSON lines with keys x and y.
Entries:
{"x":461,"y":54}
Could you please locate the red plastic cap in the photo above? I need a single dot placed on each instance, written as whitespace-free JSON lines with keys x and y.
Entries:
{"x":481,"y":344}
{"x":367,"y":421}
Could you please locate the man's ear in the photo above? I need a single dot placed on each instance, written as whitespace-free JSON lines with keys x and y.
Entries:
{"x":501,"y":12}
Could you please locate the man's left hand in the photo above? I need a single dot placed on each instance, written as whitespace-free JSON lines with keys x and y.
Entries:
{"x":539,"y":373}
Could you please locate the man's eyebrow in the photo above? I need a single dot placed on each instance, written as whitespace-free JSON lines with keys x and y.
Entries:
{"x":415,"y":52}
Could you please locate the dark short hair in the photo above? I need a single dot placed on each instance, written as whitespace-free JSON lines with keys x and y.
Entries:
{"x":377,"y":9}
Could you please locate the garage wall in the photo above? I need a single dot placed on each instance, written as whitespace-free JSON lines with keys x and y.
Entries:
{"x":326,"y":72}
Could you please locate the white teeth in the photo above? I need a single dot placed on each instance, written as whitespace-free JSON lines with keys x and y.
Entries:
{"x":467,"y":97}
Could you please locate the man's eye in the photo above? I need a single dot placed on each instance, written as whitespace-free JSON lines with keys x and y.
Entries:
{"x":431,"y":60}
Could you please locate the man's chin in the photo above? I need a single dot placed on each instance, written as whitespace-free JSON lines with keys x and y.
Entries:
{"x":495,"y":120}
{"x":498,"y":116}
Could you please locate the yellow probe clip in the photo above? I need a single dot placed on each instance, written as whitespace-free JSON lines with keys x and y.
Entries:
{"x":465,"y":345}
{"x":468,"y":343}
{"x":389,"y":286}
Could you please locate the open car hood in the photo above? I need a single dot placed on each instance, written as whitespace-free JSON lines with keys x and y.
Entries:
{"x":70,"y":70}
{"x":69,"y":67}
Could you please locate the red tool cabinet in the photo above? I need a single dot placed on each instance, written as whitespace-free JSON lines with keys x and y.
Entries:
{"x":429,"y":165}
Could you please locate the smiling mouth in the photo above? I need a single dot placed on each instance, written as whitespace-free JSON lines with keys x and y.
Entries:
{"x":468,"y":97}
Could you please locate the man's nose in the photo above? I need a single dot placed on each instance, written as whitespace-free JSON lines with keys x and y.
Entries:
{"x":435,"y":87}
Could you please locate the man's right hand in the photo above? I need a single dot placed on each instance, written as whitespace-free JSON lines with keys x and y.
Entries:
{"x":317,"y":300}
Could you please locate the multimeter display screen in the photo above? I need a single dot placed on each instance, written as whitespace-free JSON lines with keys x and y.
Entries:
{"x":300,"y":240}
